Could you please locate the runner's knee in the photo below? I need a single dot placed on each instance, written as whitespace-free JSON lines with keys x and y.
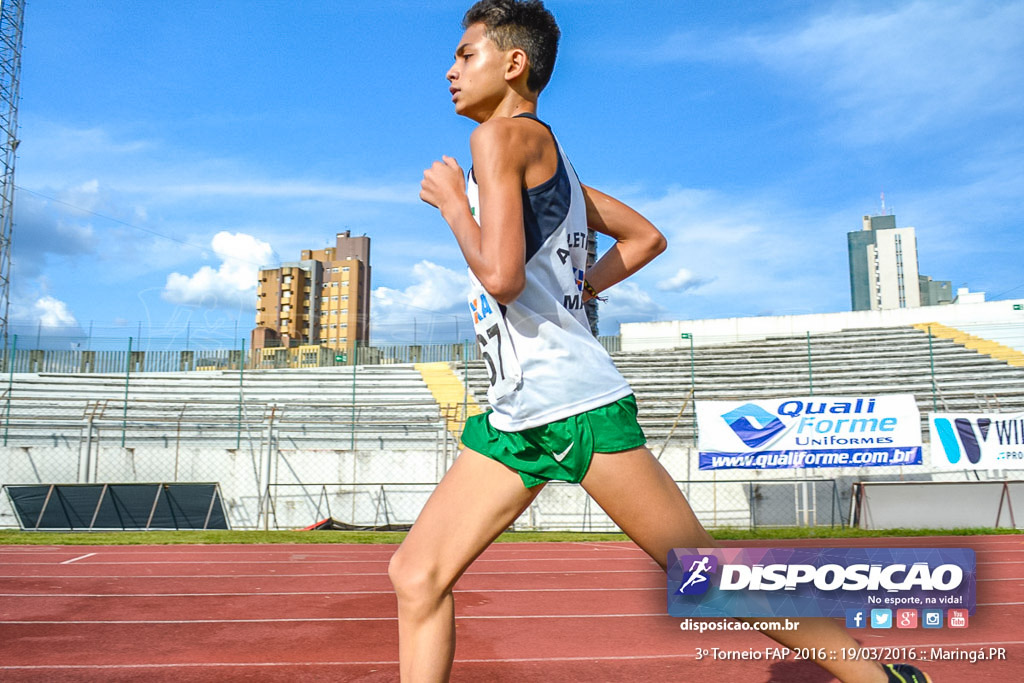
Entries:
{"x":415,"y":578}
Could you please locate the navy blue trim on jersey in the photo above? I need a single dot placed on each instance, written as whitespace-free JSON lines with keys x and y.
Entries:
{"x":545,"y":206}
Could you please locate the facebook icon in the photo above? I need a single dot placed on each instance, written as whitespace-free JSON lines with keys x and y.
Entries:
{"x":856,"y":618}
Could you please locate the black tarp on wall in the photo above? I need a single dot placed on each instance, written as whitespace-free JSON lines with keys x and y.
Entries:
{"x":128,"y":507}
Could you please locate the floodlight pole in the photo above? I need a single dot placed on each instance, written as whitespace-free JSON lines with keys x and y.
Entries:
{"x":241,"y":389}
{"x":355,"y":362}
{"x":10,"y":385}
{"x":465,"y":385}
{"x":127,"y":376}
{"x":931,"y":359}
{"x":810,"y":365}
{"x":693,"y":387}
{"x":12,"y":21}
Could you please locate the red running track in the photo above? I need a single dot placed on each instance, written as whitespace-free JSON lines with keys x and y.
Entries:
{"x":592,"y":612}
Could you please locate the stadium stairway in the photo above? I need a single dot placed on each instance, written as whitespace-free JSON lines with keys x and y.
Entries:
{"x":970,"y":341}
{"x":457,"y":404}
{"x":380,"y":406}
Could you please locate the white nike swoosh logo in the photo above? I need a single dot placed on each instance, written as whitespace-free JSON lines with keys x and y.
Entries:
{"x":558,"y":456}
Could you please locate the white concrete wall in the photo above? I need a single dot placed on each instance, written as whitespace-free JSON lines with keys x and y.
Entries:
{"x":308,"y":484}
{"x":302,"y":479}
{"x":661,"y":335}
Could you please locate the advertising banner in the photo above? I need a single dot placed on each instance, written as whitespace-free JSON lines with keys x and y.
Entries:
{"x":820,"y":582}
{"x":809,"y":432}
{"x":989,"y":441}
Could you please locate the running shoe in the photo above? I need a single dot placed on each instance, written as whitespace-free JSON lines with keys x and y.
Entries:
{"x":905,"y":673}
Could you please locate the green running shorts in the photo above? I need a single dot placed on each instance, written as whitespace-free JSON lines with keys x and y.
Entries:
{"x":560,"y":450}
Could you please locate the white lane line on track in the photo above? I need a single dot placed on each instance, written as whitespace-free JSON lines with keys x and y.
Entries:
{"x":474,"y":617}
{"x":560,"y":572}
{"x":491,"y":554}
{"x":366,"y":561}
{"x":374,"y":619}
{"x":316,"y":549}
{"x":482,"y":560}
{"x":660,"y":589}
{"x":76,"y":559}
{"x":97,"y":622}
{"x":366,"y":592}
{"x":394,"y":662}
{"x":625,"y":546}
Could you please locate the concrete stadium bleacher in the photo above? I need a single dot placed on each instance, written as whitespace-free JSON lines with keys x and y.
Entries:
{"x":388,"y":406}
{"x":393,"y":408}
{"x":854,"y":362}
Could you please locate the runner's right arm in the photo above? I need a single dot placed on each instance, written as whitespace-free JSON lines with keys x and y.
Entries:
{"x":637,"y":241}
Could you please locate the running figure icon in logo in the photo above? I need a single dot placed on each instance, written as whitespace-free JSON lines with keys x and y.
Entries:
{"x":697,"y":580}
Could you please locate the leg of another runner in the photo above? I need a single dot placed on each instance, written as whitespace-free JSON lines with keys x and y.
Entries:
{"x":476,"y":500}
{"x":641,"y":497}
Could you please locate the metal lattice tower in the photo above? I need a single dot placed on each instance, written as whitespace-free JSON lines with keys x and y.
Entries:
{"x":12,"y":21}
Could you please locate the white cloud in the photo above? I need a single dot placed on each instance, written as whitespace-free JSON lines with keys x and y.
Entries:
{"x":51,"y":312}
{"x":740,"y":255}
{"x":433,"y":308}
{"x":627,"y":302}
{"x":42,"y":232}
{"x":158,"y":172}
{"x":61,"y":144}
{"x":285,"y":189}
{"x":233,"y":283}
{"x":683,"y":280}
{"x":889,"y":73}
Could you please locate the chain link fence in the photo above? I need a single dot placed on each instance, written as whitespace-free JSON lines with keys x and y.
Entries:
{"x":297,"y":436}
{"x":366,"y":466}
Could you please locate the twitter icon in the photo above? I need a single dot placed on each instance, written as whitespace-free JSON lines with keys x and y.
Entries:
{"x":881,"y":618}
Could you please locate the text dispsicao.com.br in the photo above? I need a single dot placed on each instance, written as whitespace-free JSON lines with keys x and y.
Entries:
{"x":703,"y":625}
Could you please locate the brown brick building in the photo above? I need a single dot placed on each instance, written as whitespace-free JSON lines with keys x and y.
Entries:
{"x":322,"y":299}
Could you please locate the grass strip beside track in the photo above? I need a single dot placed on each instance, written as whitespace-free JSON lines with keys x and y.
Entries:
{"x":18,"y":537}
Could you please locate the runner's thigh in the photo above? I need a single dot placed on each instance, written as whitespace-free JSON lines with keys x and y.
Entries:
{"x":476,"y":500}
{"x":640,"y":496}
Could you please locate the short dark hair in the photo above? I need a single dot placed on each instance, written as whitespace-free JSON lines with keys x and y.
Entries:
{"x":523,"y":24}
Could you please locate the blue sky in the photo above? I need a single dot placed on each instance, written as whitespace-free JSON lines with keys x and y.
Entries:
{"x":169,"y":149}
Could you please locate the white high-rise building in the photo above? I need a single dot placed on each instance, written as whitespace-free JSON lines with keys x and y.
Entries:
{"x":883,"y":268}
{"x":893,"y":277}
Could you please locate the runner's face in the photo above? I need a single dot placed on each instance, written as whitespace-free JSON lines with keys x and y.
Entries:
{"x":477,"y":78}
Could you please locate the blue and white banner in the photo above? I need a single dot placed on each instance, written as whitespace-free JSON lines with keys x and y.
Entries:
{"x":989,"y":441}
{"x":783,"y":433}
{"x":819,"y":582}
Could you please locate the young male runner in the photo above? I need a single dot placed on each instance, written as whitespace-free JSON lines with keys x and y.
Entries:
{"x":559,"y":408}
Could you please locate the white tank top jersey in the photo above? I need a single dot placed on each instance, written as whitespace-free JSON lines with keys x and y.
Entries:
{"x":543,"y":362}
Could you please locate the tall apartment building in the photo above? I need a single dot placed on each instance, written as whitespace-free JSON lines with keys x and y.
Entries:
{"x":323,"y":298}
{"x":883,"y":268}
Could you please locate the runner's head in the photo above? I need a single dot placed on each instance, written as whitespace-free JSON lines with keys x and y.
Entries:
{"x":505,"y":56}
{"x":520,"y":25}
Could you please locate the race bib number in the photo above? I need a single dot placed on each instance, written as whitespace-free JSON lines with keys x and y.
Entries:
{"x":503,"y":370}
